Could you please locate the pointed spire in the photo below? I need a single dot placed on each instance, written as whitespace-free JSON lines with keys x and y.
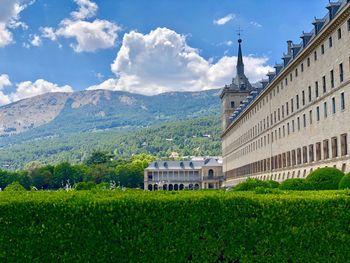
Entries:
{"x":240,"y":65}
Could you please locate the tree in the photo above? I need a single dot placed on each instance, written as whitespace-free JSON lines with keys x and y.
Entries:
{"x":98,"y":157}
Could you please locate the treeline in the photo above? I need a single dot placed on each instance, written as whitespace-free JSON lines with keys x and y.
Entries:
{"x":99,"y":168}
{"x":190,"y":137}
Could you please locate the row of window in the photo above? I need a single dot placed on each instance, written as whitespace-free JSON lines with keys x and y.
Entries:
{"x":308,"y":154}
{"x":289,"y":128}
{"x":324,"y":87}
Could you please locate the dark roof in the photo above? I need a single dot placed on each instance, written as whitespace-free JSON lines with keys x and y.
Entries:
{"x":187,"y":165}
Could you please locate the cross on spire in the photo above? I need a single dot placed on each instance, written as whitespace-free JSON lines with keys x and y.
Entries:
{"x":239,"y":33}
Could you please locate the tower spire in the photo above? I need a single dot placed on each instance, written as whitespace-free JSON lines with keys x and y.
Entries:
{"x":240,"y":65}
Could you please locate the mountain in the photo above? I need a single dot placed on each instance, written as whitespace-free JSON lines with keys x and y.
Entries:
{"x":55,"y":114}
{"x":66,"y":126}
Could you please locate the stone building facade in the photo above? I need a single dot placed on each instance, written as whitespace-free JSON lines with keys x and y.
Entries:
{"x":180,"y":175}
{"x":299,"y":119}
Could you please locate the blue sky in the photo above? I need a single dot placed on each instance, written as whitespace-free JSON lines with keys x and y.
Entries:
{"x":141,"y":46}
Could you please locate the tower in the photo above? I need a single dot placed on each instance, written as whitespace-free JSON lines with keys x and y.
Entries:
{"x":233,"y":95}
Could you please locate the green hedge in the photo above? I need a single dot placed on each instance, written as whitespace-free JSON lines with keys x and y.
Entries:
{"x":252,"y":183}
{"x":210,"y":226}
{"x":327,"y":178}
{"x":345,"y":182}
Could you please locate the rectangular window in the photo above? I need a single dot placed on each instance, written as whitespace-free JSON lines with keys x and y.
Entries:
{"x":304,"y":120}
{"x":311,"y":153}
{"x":325,"y":149}
{"x":344,"y":144}
{"x":291,"y":77}
{"x":298,"y":122}
{"x":291,"y":106}
{"x":330,"y":41}
{"x":302,"y":67}
{"x":304,"y":154}
{"x":339,"y":33}
{"x":342,"y":101}
{"x":349,"y":25}
{"x":297,"y":99}
{"x":341,"y":72}
{"x":293,"y":126}
{"x":288,"y":128}
{"x":310,"y":95}
{"x":334,"y":109}
{"x":308,"y":62}
{"x":316,"y":89}
{"x":315,"y":55}
{"x":318,"y":113}
{"x":324,"y":84}
{"x":294,"y":162}
{"x":299,"y":155}
{"x":303,"y":97}
{"x":325,"y":109}
{"x":332,"y":78}
{"x":322,"y":49}
{"x":282,"y":111}
{"x":318,"y":151}
{"x":334,"y":147}
{"x":296,"y":72}
{"x":232,"y":104}
{"x":287,"y":109}
{"x":310,"y":116}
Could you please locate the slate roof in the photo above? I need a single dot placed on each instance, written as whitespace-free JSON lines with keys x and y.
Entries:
{"x":185,"y":165}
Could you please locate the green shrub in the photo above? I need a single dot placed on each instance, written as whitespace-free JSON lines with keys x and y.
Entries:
{"x":15,"y":187}
{"x":295,"y":184}
{"x":85,"y":186}
{"x":251,"y":184}
{"x":208,"y":226}
{"x":345,"y":182}
{"x":327,"y":178}
{"x":272,"y":184}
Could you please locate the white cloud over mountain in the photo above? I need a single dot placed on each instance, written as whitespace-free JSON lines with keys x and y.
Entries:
{"x":27,"y":89}
{"x":10,"y":19}
{"x":162,"y":61}
{"x":89,"y":36}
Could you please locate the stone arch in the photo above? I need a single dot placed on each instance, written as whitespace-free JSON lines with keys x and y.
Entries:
{"x":165,"y":187}
{"x":181,"y":187}
{"x":171,"y":187}
{"x":155,"y":187}
{"x":196,"y":186}
{"x":190,"y":186}
{"x":150,"y":187}
{"x":176,"y":187}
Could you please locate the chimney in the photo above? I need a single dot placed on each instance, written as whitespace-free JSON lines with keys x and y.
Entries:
{"x":289,"y":45}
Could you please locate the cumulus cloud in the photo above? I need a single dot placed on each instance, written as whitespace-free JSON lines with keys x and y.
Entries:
{"x":28,"y":89}
{"x":162,"y":61}
{"x":223,"y":20}
{"x":89,"y":36}
{"x":10,"y":18}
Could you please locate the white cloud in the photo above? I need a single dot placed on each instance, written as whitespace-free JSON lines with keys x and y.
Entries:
{"x":87,"y":9}
{"x":36,"y":41}
{"x":48,"y":32}
{"x":10,"y":18}
{"x":90,"y":36}
{"x":223,"y":20}
{"x":4,"y":81}
{"x":256,"y":24}
{"x":28,"y":89}
{"x":161,"y":61}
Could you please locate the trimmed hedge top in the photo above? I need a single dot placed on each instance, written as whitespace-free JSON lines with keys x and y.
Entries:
{"x":204,"y":226}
